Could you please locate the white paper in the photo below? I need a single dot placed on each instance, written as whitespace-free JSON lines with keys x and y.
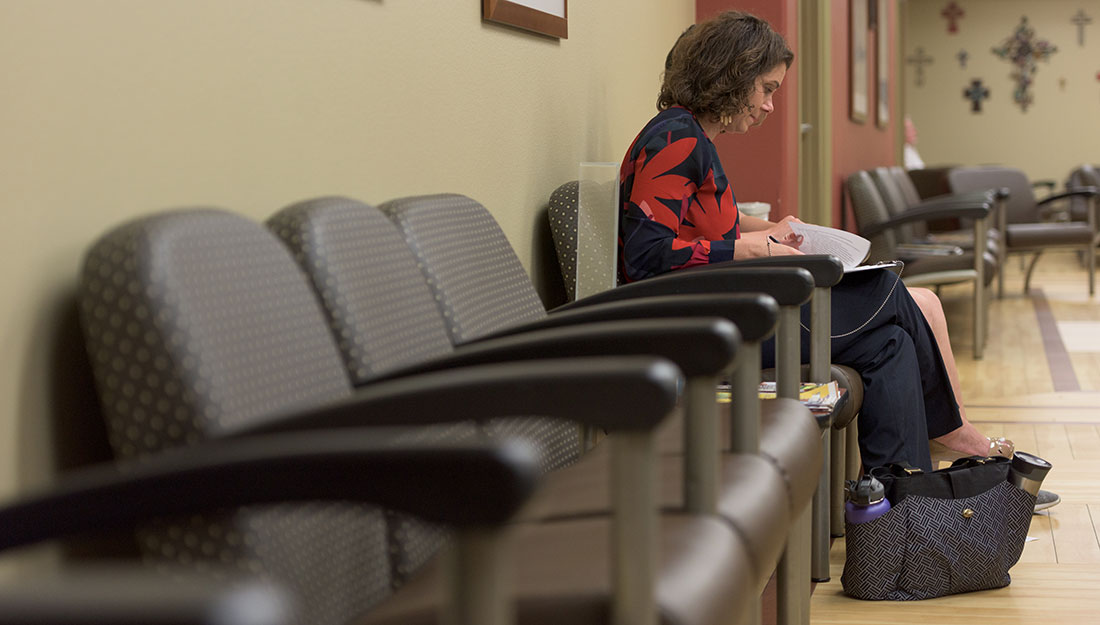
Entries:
{"x":850,"y":248}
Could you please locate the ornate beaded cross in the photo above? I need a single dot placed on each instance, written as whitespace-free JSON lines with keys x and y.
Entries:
{"x":1023,"y":50}
{"x":976,"y":93}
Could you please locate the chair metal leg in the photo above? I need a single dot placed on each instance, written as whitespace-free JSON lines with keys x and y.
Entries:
{"x":981,"y":236}
{"x":1031,"y":268}
{"x":635,"y":527}
{"x":792,"y":576}
{"x":820,"y":540}
{"x":837,"y":461}
{"x":852,"y":461}
{"x":479,"y":582}
{"x":1092,"y":270}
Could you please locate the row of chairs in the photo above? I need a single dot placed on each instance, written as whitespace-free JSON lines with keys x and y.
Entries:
{"x":587,"y":256}
{"x":314,"y":402}
{"x":1000,"y":215}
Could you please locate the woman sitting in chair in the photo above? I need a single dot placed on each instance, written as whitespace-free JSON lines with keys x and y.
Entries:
{"x":678,"y":211}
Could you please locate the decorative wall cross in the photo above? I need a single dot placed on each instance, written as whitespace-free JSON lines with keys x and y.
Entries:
{"x":1023,"y":51}
{"x":976,"y":93}
{"x":952,"y":12}
{"x":920,"y":59}
{"x":1080,"y":20}
{"x":963,"y":55}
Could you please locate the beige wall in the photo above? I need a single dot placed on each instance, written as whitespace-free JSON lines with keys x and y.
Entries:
{"x":112,"y":108}
{"x":1059,"y":131}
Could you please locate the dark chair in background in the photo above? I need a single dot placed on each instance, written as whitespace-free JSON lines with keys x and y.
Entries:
{"x":915,"y":238}
{"x":1022,"y":223}
{"x":1084,"y":176}
{"x":976,"y":266}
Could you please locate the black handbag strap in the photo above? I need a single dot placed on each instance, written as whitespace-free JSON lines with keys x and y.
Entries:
{"x":966,"y":477}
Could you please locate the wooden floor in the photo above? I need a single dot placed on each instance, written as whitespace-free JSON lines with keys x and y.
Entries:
{"x":1039,"y":385}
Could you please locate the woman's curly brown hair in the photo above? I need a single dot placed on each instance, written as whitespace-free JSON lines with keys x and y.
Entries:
{"x":712,"y":69}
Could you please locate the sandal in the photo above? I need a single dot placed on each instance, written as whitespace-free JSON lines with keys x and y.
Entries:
{"x":999,"y":446}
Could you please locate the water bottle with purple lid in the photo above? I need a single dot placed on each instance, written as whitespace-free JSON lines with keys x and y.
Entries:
{"x":866,"y":500}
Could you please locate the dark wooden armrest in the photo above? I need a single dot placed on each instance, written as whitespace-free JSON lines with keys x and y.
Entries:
{"x":440,"y":483}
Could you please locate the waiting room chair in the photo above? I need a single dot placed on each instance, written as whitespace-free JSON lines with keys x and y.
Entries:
{"x":914,"y":238}
{"x":239,"y":336}
{"x":564,"y":219}
{"x":1021,"y":221}
{"x":484,"y":280}
{"x":976,"y":267}
{"x":341,"y":242}
{"x":226,"y":492}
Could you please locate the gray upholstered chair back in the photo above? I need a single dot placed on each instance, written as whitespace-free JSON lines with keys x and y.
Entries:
{"x":585,"y":238}
{"x":894,"y":200}
{"x":385,"y":315}
{"x":381,"y":311}
{"x":1020,"y":206}
{"x":199,"y":320}
{"x":905,"y":184}
{"x":562,"y":214}
{"x":869,"y":209}
{"x":469,"y":264}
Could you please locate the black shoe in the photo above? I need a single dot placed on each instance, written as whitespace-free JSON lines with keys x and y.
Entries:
{"x":1046,"y":499}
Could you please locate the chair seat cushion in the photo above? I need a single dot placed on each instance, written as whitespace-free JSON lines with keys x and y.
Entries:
{"x":791,"y":439}
{"x":848,"y":378}
{"x":1023,"y":236}
{"x":561,"y":571}
{"x":753,"y":499}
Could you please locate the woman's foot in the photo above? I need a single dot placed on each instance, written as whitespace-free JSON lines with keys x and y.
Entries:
{"x":966,"y":440}
{"x":985,"y":447}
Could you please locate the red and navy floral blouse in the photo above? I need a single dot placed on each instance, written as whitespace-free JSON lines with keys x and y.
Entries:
{"x":677,"y":207}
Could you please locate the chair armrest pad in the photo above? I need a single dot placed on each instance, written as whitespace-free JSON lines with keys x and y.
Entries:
{"x":1074,"y":192}
{"x":697,"y":345}
{"x":825,"y":269}
{"x":612,"y":392}
{"x":755,"y":314}
{"x":926,"y":213}
{"x":440,"y":483}
{"x":789,"y":286}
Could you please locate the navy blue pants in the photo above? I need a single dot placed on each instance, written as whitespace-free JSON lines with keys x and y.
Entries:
{"x":907,"y":394}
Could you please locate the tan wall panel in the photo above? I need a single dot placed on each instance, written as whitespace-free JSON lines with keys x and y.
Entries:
{"x":1059,"y":131}
{"x":113,"y":108}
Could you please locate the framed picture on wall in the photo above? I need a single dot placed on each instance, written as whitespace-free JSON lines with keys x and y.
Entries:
{"x":857,"y":53}
{"x":882,"y":65}
{"x":546,"y":17}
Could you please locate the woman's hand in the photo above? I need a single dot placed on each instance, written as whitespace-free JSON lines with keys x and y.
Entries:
{"x":758,"y":244}
{"x":782,"y":233}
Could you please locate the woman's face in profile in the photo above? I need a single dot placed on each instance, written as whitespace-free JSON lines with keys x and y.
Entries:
{"x":760,"y":102}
